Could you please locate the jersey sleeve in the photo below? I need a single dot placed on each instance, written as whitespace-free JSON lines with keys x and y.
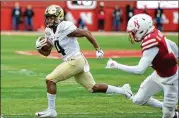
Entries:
{"x":149,"y":43}
{"x":144,"y":62}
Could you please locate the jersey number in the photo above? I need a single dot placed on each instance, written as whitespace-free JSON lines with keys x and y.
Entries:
{"x":59,"y":48}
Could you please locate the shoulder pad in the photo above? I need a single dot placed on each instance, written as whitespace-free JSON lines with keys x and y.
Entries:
{"x":64,"y":25}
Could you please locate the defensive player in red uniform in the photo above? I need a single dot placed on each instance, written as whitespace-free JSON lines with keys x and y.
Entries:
{"x":161,"y":54}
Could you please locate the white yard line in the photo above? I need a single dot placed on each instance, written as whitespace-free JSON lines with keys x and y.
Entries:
{"x":86,"y":113}
{"x":23,"y":52}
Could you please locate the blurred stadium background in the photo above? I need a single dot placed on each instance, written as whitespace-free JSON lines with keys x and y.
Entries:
{"x":89,"y":11}
{"x":23,"y":71}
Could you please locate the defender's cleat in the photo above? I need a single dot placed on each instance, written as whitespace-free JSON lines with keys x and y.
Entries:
{"x":47,"y":114}
{"x":176,"y":115}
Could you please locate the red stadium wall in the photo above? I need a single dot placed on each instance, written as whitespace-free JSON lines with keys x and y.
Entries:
{"x":39,"y":8}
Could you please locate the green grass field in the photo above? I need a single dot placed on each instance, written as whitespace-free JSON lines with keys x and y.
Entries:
{"x":23,"y":90}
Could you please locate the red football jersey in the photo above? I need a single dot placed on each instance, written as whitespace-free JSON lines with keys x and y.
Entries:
{"x":165,"y":62}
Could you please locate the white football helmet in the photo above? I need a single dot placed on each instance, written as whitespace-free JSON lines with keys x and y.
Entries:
{"x":139,"y":26}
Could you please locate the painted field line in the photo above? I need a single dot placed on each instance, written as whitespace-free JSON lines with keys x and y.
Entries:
{"x":92,"y":54}
{"x":88,"y":113}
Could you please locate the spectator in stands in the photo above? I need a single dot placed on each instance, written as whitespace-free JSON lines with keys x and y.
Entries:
{"x":145,"y":10}
{"x":158,"y":17}
{"x":29,"y":13}
{"x":16,"y":16}
{"x":101,"y":17}
{"x":116,"y":18}
{"x":81,"y":23}
{"x":69,"y":17}
{"x":129,"y":11}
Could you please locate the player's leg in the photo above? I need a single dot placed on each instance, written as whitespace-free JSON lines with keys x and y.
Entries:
{"x":60,"y":73}
{"x":147,"y":89}
{"x":110,"y":89}
{"x":170,"y":86}
{"x":87,"y":81}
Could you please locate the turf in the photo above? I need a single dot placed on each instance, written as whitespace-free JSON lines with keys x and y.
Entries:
{"x":23,"y":90}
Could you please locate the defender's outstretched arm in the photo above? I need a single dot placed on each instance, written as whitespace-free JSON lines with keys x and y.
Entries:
{"x":145,"y":61}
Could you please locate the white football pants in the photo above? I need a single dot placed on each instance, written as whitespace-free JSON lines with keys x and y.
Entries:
{"x":153,"y":84}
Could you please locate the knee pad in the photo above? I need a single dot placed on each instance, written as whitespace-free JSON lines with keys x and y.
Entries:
{"x":48,"y":78}
{"x":139,"y":100}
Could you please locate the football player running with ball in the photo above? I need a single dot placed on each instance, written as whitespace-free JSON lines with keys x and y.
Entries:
{"x":62,"y":35}
{"x":162,"y":54}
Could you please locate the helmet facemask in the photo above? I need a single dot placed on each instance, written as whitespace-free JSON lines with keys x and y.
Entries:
{"x":131,"y":37}
{"x":51,"y":21}
{"x":136,"y":36}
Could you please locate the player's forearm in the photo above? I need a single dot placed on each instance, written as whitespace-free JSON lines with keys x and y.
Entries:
{"x":131,"y":69}
{"x":84,"y":33}
{"x":92,"y":39}
{"x":138,"y":69}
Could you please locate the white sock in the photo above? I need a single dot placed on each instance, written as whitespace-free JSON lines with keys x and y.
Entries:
{"x":51,"y":100}
{"x":155,"y":103}
{"x":113,"y":89}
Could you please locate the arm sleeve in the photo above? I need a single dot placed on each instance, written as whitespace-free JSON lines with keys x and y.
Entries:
{"x":174,"y":47}
{"x":145,"y":61}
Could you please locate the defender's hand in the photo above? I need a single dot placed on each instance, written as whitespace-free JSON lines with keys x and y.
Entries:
{"x":40,"y":43}
{"x":112,"y":64}
{"x":99,"y":53}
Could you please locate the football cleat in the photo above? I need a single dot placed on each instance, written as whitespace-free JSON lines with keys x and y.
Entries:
{"x":47,"y":113}
{"x":128,"y":92}
{"x":176,"y":115}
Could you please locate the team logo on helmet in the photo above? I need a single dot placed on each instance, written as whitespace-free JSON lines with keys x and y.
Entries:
{"x":136,"y":23}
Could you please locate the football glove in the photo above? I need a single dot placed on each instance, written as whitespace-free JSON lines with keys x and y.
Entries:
{"x":112,"y":64}
{"x":40,"y":43}
{"x":99,"y":53}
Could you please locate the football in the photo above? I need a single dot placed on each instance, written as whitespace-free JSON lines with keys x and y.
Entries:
{"x":46,"y":47}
